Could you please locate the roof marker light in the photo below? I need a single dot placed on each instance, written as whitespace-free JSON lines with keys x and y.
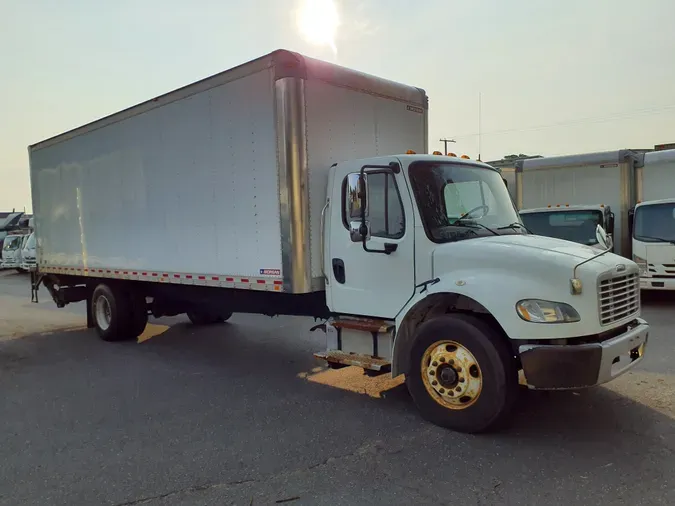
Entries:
{"x":410,"y":152}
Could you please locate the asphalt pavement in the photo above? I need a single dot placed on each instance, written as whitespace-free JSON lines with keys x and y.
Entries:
{"x":241,"y":413}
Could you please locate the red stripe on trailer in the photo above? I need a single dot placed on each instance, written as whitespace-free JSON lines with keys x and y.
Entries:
{"x":202,"y":277}
{"x":177,"y":276}
{"x":244,"y":280}
{"x":145,"y":274}
{"x":261,"y":281}
{"x":165,"y":275}
{"x":215,"y":278}
{"x":188,"y":276}
{"x":231,"y":280}
{"x":277,"y":282}
{"x":154,"y":274}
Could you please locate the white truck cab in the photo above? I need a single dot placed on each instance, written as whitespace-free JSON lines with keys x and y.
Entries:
{"x":459,"y":294}
{"x":654,"y":243}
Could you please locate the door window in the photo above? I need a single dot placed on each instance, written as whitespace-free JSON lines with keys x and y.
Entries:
{"x":383,"y":200}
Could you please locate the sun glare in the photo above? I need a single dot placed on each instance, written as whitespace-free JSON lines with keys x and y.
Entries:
{"x":318,"y":22}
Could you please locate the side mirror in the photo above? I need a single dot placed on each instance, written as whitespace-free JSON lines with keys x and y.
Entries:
{"x":358,"y":230}
{"x":357,"y":207}
{"x":603,"y":239}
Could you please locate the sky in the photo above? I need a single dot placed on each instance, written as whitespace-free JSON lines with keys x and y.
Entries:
{"x":554,"y":76}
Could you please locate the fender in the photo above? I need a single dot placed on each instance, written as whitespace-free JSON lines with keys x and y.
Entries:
{"x":490,"y":291}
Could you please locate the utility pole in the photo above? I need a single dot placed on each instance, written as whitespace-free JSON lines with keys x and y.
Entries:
{"x":445,"y":145}
{"x":479,"y":123}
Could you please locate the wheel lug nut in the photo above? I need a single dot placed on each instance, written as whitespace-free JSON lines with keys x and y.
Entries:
{"x":459,"y":369}
{"x":432,"y":373}
{"x":442,"y":359}
{"x":442,"y":390}
{"x":461,"y":380}
{"x":452,"y":362}
{"x":451,"y":393}
{"x":434,"y":382}
{"x":434,"y":363}
{"x":458,"y":389}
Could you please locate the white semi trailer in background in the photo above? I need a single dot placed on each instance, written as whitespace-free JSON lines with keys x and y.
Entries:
{"x":284,"y":171}
{"x":581,"y":191}
{"x":654,"y":221}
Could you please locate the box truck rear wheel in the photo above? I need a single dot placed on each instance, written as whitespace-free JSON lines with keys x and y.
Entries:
{"x":462,"y":375}
{"x":206,"y":318}
{"x":111,"y":311}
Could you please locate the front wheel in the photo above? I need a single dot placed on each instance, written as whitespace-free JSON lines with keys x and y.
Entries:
{"x":462,"y":375}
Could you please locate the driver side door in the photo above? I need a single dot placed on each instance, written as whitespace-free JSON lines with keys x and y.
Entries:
{"x":377,"y":277}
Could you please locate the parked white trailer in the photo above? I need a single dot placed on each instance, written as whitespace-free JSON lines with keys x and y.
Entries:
{"x":654,"y":221}
{"x":281,"y":175}
{"x":603,"y":179}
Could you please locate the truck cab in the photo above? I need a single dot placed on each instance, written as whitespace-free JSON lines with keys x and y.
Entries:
{"x":571,"y":223}
{"x":654,"y":243}
{"x":430,"y":273}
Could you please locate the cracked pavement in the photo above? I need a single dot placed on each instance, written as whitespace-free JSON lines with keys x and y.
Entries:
{"x":239,"y":414}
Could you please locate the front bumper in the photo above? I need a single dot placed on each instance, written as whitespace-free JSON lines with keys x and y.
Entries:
{"x":28,"y":266}
{"x":573,"y":366}
{"x":10,"y":265}
{"x":657,"y":283}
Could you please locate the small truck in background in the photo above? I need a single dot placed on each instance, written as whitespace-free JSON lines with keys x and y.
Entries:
{"x":575,"y":223}
{"x":603,"y":180}
{"x":653,"y":221}
{"x":296,"y":189}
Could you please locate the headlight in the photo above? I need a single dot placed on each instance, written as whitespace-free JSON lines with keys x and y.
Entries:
{"x":545,"y":311}
{"x":642,"y":265}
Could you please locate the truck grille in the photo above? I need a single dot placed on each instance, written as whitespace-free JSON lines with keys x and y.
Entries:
{"x":618,"y":297}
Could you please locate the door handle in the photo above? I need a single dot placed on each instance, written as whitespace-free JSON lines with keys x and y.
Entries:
{"x":339,"y":270}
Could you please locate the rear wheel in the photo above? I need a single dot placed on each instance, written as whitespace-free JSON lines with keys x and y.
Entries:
{"x":462,"y":374}
{"x":206,"y":318}
{"x":111,"y":311}
{"x":138,"y":314}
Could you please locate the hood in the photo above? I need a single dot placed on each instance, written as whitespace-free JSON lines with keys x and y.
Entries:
{"x":531,"y":255}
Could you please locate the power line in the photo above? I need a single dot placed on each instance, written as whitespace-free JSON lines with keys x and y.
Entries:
{"x":581,"y":121}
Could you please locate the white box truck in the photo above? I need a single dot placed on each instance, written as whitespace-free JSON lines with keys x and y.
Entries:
{"x":654,"y":221}
{"x":579,"y":192}
{"x":282,"y":177}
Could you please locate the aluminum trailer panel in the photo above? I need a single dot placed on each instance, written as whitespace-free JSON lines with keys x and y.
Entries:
{"x":591,"y":178}
{"x":219,"y":183}
{"x":656,"y":178}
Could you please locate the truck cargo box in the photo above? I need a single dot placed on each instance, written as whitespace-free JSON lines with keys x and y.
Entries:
{"x":219,"y":183}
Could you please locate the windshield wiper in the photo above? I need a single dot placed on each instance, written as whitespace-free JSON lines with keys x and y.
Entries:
{"x":658,"y":239}
{"x":515,"y":225}
{"x":458,"y":223}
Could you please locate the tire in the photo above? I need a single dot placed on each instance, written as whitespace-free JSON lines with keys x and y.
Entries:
{"x":110,"y":313}
{"x":464,"y":407}
{"x":202,"y":318}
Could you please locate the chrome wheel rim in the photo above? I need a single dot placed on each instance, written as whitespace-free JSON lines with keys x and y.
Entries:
{"x":103,"y":313}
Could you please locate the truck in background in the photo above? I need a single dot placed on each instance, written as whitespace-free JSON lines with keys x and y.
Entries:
{"x":599,"y":180}
{"x":653,"y":227}
{"x":301,"y":206}
{"x":576,"y":223}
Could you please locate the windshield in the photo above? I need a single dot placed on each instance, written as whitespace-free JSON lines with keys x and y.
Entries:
{"x":30,"y":243}
{"x":575,"y":226}
{"x":655,"y":222}
{"x":12,"y":242}
{"x":446,"y":192}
